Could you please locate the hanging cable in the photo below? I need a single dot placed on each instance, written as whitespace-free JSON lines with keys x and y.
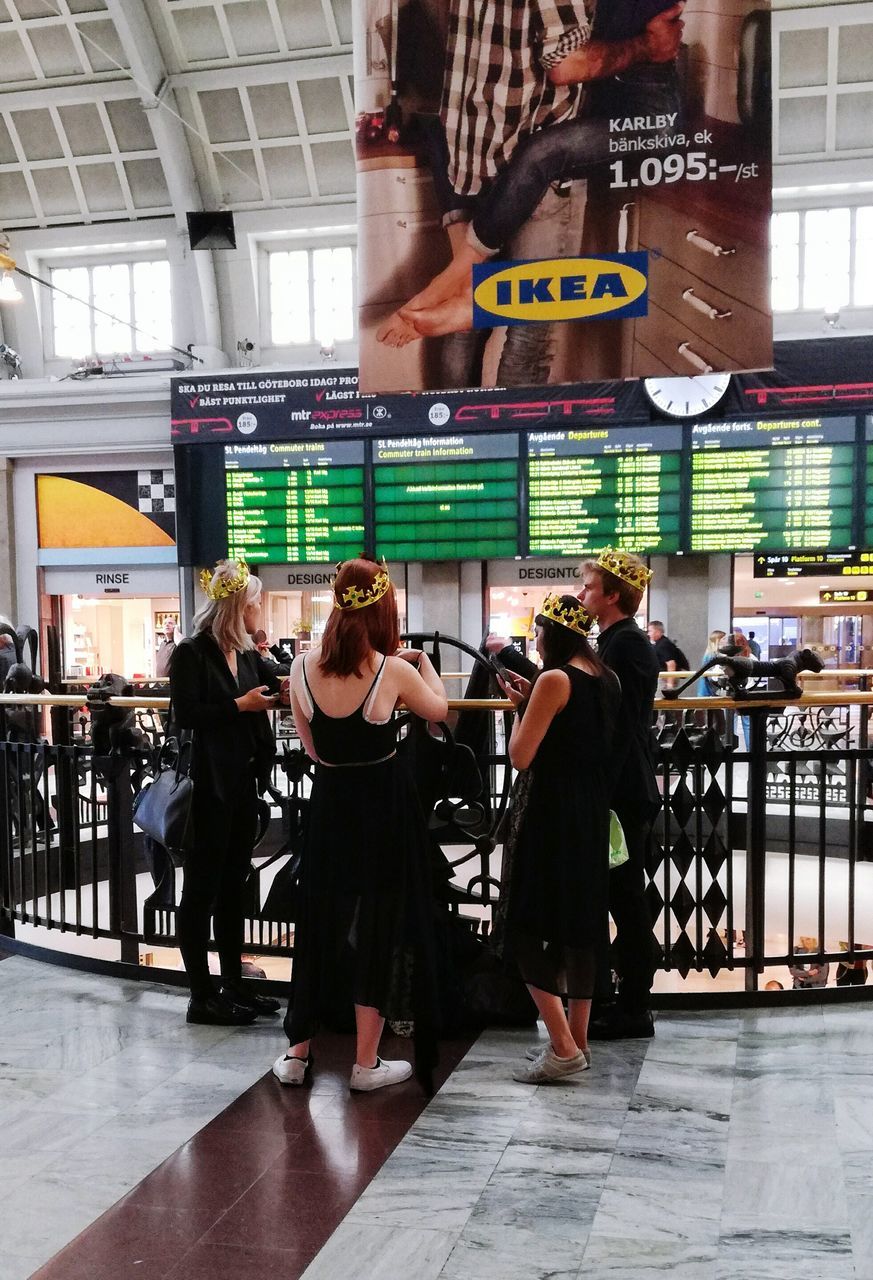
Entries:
{"x":47,"y":284}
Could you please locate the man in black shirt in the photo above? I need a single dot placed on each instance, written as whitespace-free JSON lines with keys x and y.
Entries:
{"x":669,"y":655}
{"x":612,"y":589}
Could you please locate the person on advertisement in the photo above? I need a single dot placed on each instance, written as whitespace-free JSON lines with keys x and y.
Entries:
{"x":629,"y":62}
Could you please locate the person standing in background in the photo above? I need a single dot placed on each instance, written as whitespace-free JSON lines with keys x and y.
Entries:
{"x":612,"y":590}
{"x":168,"y":647}
{"x":754,"y":646}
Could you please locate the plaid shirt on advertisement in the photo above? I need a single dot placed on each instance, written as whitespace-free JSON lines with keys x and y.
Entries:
{"x":496,"y":88}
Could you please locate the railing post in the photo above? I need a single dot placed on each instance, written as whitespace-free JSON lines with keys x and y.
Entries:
{"x":756,"y":845}
{"x":123,"y":921}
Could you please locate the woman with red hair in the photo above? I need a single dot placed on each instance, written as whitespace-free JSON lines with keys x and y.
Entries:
{"x":366,"y":915}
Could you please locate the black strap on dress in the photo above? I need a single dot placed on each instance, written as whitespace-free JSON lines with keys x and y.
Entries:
{"x":352,"y":739}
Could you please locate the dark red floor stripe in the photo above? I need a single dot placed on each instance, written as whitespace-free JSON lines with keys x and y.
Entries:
{"x":256,"y":1193}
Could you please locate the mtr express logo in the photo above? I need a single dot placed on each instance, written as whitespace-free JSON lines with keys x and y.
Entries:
{"x":611,"y":286}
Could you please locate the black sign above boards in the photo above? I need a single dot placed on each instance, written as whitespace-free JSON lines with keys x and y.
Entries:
{"x":840,"y":595}
{"x":255,"y":406}
{"x":813,"y":564}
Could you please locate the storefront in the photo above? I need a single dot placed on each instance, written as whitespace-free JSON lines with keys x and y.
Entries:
{"x":111,"y":618}
{"x":298,"y":600}
{"x":826,"y":607}
{"x":108,"y":581}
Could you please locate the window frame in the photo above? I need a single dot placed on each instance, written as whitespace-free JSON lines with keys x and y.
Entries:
{"x":70,"y":260}
{"x":343,"y":350}
{"x":862,"y":201}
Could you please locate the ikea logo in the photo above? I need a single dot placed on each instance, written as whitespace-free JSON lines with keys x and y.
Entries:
{"x":611,"y":286}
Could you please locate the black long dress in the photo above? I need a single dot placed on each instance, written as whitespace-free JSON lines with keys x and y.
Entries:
{"x":557,"y":926}
{"x":365,"y":924}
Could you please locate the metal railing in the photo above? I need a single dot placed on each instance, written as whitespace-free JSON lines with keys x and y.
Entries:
{"x":761,"y":855}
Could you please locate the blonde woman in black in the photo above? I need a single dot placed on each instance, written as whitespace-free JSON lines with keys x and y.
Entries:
{"x":221,"y":689}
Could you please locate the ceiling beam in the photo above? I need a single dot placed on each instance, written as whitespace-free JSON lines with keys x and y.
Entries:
{"x":141,"y":48}
{"x":265,"y":72}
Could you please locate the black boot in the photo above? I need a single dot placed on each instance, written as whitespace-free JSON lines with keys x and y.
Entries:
{"x":619,"y":1024}
{"x":239,"y":994}
{"x":217,"y":1011}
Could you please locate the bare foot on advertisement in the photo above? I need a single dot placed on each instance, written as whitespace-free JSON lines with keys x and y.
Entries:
{"x":396,"y":332}
{"x":455,"y":315}
{"x":450,"y":282}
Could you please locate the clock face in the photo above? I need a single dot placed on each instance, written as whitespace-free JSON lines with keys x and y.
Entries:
{"x":687,"y":397}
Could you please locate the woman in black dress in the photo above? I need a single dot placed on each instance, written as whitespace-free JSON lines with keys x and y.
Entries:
{"x":557,"y":919}
{"x":366,"y":912}
{"x":221,"y":688}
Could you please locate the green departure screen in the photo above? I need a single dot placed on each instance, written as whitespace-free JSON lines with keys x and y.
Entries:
{"x":296,"y":503}
{"x":446,"y":498}
{"x":772,"y":484}
{"x":868,"y":485}
{"x":598,"y":487}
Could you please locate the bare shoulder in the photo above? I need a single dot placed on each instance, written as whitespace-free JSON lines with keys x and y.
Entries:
{"x":553,"y":685}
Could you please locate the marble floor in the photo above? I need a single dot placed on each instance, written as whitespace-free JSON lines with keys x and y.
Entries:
{"x":732,"y":1146}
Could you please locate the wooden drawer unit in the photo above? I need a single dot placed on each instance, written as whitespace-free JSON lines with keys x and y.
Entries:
{"x":397,"y":256}
{"x":709,"y":278}
{"x":709,"y":248}
{"x":398,"y":190}
{"x":723,"y":322}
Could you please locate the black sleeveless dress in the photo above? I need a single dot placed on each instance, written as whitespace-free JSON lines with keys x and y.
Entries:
{"x":557,"y":922}
{"x":364,"y":933}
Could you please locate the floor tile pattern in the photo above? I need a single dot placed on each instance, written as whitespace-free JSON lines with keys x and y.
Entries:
{"x":730,"y":1147}
{"x":733,"y":1146}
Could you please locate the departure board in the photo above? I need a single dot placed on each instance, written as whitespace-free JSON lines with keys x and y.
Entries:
{"x":446,"y":498}
{"x":868,"y":484}
{"x":591,"y":488}
{"x":772,"y":484}
{"x":295,"y":503}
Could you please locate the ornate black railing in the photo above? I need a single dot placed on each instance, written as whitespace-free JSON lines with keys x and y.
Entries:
{"x":760,"y":857}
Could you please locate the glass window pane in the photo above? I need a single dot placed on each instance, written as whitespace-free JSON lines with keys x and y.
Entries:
{"x":71,"y":321}
{"x":862,"y":294}
{"x":826,"y":260}
{"x":289,"y":297}
{"x":111,"y":286}
{"x":152,"y":304}
{"x":333,"y":294}
{"x":785,"y":228}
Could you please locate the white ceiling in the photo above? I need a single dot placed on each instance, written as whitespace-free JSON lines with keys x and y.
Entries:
{"x":123,"y":109}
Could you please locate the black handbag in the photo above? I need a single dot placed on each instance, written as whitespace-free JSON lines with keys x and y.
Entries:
{"x":163,"y":808}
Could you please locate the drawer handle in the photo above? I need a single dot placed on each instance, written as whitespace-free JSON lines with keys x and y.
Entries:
{"x":692,"y":357}
{"x":708,"y":246}
{"x":705,"y":308}
{"x":399,"y":178}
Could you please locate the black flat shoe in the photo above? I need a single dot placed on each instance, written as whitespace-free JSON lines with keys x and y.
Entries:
{"x":622,"y":1026}
{"x":261,"y":1006}
{"x":216,"y":1011}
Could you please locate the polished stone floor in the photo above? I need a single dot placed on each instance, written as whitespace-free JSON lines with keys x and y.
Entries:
{"x":731,"y":1147}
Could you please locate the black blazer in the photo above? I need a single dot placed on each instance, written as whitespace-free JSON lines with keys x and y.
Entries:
{"x":204,"y":694}
{"x":628,"y":652}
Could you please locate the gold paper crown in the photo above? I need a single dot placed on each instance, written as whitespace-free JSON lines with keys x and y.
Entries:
{"x":578,"y":619}
{"x":624,"y":566}
{"x":225,"y":587}
{"x":360,"y":597}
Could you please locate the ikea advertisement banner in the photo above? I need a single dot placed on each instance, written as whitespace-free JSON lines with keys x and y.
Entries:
{"x":547,"y":196}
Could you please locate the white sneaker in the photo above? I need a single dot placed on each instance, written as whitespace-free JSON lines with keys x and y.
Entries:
{"x":550,"y":1068}
{"x":289,"y":1070}
{"x":539,"y":1050}
{"x":366,"y":1079}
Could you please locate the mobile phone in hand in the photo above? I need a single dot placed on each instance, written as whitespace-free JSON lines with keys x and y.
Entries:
{"x":500,"y":669}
